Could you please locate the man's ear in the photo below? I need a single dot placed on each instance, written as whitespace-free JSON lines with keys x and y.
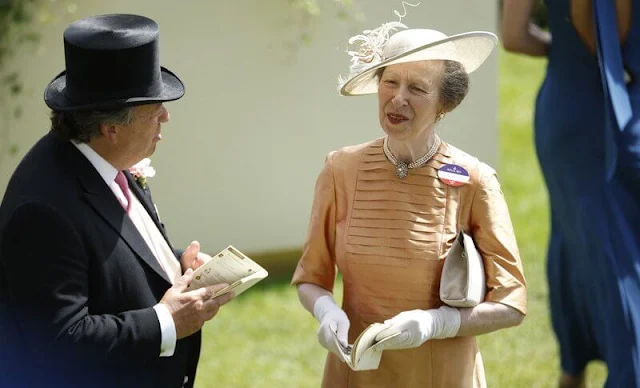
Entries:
{"x":110,"y":132}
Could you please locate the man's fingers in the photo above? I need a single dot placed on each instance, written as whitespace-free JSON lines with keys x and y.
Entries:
{"x":225,"y":298}
{"x":184,"y":280}
{"x":207,"y":293}
{"x":212,"y":290}
{"x":212,"y":305}
{"x":211,"y":309}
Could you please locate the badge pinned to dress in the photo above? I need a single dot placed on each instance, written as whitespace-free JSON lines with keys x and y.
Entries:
{"x":453,"y":175}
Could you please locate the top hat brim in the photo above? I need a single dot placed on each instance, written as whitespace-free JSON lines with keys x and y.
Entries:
{"x":56,"y":98}
{"x":470,"y":49}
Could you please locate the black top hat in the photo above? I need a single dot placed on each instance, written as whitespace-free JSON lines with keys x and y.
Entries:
{"x":112,"y":61}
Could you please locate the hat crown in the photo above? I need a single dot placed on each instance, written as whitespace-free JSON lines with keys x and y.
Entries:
{"x":407,"y":40}
{"x":112,"y":61}
{"x":111,"y":32}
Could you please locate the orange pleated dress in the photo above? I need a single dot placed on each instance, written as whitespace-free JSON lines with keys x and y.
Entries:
{"x":389,"y":238}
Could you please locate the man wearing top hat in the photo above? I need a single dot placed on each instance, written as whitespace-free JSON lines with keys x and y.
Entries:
{"x":92,"y":293}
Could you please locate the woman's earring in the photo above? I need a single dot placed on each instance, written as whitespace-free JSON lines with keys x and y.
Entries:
{"x":441,"y":116}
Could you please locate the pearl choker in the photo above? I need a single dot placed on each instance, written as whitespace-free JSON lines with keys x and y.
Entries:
{"x":402,"y":168}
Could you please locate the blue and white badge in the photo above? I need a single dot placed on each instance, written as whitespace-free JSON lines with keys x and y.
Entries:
{"x":453,"y":175}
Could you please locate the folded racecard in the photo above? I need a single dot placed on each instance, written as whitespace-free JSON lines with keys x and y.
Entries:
{"x":363,"y":354}
{"x":229,"y":266}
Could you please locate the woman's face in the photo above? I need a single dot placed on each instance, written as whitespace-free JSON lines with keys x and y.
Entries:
{"x":409,"y":99}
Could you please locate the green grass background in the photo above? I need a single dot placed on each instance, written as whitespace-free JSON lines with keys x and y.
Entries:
{"x":266,"y":339}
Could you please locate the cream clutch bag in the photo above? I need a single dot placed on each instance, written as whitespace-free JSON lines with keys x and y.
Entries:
{"x":463,"y":282}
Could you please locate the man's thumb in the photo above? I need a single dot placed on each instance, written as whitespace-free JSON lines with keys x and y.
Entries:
{"x":192,"y":250}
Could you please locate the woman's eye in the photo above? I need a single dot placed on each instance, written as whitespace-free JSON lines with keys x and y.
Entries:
{"x":389,"y":82}
{"x":418,"y":90}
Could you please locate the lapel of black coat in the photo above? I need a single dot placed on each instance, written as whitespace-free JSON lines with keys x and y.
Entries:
{"x":105,"y":203}
{"x":144,"y":196}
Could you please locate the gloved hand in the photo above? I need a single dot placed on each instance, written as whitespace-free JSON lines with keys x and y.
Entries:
{"x":332,"y":320}
{"x":417,"y":326}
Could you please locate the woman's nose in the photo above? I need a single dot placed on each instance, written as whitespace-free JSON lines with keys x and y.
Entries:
{"x":399,"y":100}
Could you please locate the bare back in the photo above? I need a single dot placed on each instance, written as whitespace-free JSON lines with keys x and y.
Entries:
{"x":582,"y":19}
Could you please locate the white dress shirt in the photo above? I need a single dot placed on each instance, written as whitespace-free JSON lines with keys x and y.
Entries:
{"x":108,"y":174}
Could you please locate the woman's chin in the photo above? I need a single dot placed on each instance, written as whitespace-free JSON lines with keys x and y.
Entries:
{"x":397,"y":132}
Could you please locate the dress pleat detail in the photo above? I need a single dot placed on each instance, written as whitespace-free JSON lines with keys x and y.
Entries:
{"x":400,"y":218}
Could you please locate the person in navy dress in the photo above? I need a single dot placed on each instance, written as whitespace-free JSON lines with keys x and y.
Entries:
{"x":587,"y":138}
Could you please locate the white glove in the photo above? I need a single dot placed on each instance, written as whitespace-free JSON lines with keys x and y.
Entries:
{"x":332,"y":320}
{"x":418,"y":326}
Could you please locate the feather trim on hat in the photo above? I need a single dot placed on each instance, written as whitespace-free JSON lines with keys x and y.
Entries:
{"x":371,"y":45}
{"x":370,"y":51}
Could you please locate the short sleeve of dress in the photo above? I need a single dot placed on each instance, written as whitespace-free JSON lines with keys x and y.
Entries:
{"x":317,"y":264}
{"x":494,"y":237}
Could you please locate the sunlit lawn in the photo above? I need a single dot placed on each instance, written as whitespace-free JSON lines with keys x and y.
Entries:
{"x":266,"y":339}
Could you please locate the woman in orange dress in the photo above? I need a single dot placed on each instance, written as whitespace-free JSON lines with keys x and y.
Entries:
{"x":386,"y":213}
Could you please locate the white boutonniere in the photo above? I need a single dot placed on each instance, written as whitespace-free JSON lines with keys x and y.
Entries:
{"x":141,"y":171}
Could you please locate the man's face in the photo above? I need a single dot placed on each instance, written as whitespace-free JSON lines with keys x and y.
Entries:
{"x":138,"y":139}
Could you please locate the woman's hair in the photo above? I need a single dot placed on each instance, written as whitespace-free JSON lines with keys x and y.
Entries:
{"x":454,"y":84}
{"x":83,"y":126}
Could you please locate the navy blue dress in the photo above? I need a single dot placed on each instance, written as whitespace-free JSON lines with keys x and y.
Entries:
{"x":587,"y":136}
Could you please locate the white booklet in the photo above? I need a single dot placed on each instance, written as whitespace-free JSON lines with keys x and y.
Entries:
{"x":363,"y":355}
{"x":229,"y":266}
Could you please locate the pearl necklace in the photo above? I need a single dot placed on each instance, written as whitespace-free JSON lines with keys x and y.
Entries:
{"x":402,"y":168}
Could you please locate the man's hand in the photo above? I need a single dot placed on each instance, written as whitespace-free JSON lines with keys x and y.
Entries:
{"x":191,"y":309}
{"x":192,"y":257}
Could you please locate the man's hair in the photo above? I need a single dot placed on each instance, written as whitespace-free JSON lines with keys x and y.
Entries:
{"x":454,"y":84}
{"x":82,"y":126}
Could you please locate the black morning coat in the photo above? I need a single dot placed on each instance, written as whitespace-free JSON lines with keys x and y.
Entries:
{"x":78,"y":282}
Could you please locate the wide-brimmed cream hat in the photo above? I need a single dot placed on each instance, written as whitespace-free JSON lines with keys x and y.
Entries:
{"x":470,"y":49}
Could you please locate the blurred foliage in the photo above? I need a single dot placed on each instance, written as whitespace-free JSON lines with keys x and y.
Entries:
{"x":20,"y":21}
{"x":308,"y":10}
{"x":311,"y":8}
{"x":16,"y":29}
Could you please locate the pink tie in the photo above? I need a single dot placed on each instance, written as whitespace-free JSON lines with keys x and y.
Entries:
{"x":121,"y":180}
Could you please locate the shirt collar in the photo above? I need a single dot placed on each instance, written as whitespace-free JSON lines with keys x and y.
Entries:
{"x":104,"y":168}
